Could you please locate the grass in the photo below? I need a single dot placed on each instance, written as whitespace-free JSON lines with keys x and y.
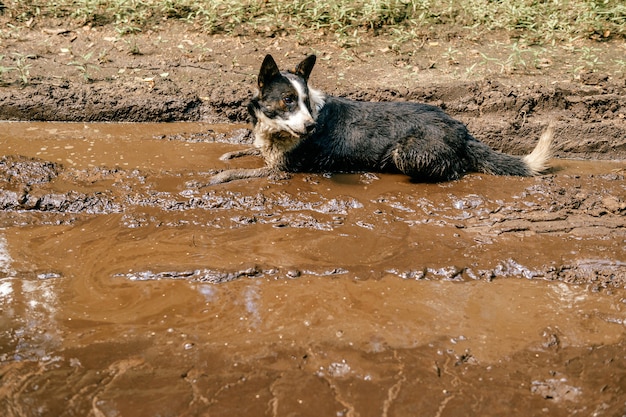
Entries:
{"x":20,"y":66}
{"x":534,"y":21}
{"x":84,"y":65}
{"x":534,"y":28}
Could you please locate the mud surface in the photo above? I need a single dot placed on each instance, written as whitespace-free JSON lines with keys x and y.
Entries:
{"x":127,"y":287}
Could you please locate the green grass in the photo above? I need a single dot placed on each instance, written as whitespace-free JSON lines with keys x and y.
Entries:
{"x":537,"y":21}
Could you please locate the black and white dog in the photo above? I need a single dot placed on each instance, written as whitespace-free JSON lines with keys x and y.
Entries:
{"x":299,"y":129}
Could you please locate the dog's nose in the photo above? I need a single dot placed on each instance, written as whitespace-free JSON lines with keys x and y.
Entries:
{"x":309,"y":126}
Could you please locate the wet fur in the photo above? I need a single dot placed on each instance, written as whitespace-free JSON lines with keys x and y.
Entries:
{"x":299,"y":129}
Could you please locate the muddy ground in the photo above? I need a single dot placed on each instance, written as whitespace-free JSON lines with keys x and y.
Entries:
{"x":127,"y":287}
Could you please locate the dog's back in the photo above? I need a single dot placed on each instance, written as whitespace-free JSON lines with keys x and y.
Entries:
{"x":365,"y":136}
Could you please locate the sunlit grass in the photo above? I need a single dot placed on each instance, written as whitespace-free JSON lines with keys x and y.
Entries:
{"x":534,"y":21}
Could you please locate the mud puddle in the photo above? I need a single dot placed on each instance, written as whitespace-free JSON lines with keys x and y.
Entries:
{"x":129,"y":288}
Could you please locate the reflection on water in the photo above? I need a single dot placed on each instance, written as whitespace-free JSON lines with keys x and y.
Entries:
{"x":29,"y":325}
{"x":252,"y":298}
{"x":5,"y":258}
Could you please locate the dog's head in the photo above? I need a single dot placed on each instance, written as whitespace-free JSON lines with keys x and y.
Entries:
{"x":284,"y":102}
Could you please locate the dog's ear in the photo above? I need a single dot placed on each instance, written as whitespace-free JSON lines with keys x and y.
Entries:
{"x":269,"y":70}
{"x":305,"y":67}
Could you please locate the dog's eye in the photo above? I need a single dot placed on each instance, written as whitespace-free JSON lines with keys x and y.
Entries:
{"x":288,"y":100}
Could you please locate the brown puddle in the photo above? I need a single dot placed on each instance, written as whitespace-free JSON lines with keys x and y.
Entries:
{"x":127,"y":288}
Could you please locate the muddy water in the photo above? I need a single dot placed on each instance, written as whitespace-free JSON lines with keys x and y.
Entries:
{"x":128,"y":288}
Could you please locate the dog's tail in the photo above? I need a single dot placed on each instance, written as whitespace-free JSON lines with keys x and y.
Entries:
{"x":489,"y":161}
{"x":537,"y":160}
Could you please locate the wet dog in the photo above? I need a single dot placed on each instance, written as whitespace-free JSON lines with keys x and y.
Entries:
{"x":299,"y":129}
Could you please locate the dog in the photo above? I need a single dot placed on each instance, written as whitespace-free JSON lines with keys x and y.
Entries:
{"x":297,"y":128}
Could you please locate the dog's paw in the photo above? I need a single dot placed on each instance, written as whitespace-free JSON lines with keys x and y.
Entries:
{"x":229,"y":155}
{"x":238,"y":154}
{"x":220,"y":178}
{"x":239,"y":174}
{"x":279,"y":176}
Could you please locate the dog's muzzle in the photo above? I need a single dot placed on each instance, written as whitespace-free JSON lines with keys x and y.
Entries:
{"x":309,"y":127}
